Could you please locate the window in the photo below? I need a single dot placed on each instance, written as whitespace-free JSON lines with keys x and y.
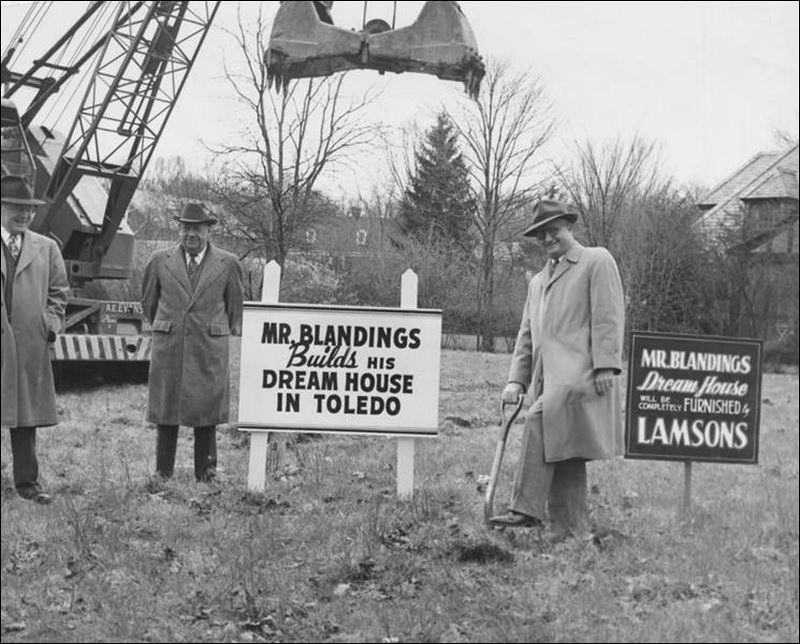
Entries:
{"x":361,"y":237}
{"x":311,"y":236}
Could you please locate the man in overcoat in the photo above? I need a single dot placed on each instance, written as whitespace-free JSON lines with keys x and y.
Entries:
{"x":192,"y":296}
{"x":567,"y":357}
{"x":34,"y":298}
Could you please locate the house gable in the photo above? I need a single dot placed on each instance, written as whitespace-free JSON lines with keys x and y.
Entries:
{"x":737,"y":181}
{"x":768,"y":178}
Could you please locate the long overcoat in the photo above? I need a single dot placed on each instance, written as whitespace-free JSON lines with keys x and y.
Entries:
{"x":38,"y":304}
{"x":191,"y":328}
{"x":573,"y":324}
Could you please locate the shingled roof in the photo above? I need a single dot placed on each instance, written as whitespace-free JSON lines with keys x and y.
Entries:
{"x":780,"y":184}
{"x":740,"y":179}
{"x":768,"y":175}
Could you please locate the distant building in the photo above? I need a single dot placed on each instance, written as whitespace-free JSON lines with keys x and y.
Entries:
{"x":752,"y":215}
{"x":346,"y":236}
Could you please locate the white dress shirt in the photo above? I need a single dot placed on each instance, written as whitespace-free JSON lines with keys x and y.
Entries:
{"x":199,"y":256}
{"x":7,"y":238}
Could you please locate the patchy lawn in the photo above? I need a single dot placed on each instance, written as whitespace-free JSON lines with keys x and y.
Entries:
{"x":328,"y":553}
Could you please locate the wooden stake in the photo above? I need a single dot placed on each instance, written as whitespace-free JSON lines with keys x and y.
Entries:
{"x":687,"y":489}
{"x":259,"y":440}
{"x":405,"y":446}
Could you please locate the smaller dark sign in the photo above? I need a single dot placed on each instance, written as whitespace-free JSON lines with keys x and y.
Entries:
{"x":693,"y":398}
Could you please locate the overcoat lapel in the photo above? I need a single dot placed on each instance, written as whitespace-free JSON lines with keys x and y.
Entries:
{"x":30,"y":249}
{"x":210,"y":270}
{"x":176,"y":264}
{"x":570,"y":257}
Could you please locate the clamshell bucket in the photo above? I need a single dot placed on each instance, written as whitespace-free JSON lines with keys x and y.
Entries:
{"x":305,"y":43}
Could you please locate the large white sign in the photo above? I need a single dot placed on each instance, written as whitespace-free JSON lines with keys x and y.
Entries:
{"x":339,"y":369}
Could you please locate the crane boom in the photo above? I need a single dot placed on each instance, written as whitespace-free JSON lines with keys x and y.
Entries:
{"x":139,"y":66}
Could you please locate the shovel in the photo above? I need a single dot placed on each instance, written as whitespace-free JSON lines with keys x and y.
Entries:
{"x":488,"y":502}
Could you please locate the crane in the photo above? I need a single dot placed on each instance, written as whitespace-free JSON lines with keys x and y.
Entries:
{"x":135,"y":68}
{"x":88,"y":177}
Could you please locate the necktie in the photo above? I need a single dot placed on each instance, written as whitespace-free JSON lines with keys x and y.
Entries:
{"x":13,"y":246}
{"x":553,"y":266}
{"x":193,"y":267}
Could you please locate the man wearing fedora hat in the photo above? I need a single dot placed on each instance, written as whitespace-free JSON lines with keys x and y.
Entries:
{"x":567,"y":357}
{"x":34,"y":298}
{"x":192,"y":296}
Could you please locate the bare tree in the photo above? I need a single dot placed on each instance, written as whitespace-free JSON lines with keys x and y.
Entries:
{"x":605,"y":181}
{"x":170,"y":176}
{"x":504,"y":132}
{"x":269,"y":179}
{"x":664,"y":265}
{"x":785,"y":139}
{"x":399,"y":145}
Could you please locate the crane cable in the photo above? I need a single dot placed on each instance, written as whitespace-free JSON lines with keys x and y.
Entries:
{"x":364,"y":14}
{"x":16,"y":38}
{"x":29,"y":23}
{"x":97,"y":27}
{"x":43,"y":11}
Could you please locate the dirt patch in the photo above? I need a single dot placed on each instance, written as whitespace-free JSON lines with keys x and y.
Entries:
{"x":483,"y":553}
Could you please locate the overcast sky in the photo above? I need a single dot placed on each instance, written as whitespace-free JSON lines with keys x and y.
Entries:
{"x":711,"y":82}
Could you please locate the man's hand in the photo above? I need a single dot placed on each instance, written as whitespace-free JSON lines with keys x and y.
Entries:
{"x":604,"y":380}
{"x":512,"y":392}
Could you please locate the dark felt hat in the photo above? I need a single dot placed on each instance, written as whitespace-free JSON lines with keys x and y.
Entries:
{"x":194,"y":213}
{"x":15,"y":190}
{"x":546,"y":211}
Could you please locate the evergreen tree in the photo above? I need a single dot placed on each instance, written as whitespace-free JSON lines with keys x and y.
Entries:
{"x":437,"y":205}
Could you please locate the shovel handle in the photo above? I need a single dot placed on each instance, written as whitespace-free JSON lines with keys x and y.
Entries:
{"x":507,"y":421}
{"x":515,"y":409}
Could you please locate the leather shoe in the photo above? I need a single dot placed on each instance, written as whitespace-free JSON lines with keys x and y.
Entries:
{"x":209,"y":476}
{"x":515,"y":520}
{"x":35,"y":495}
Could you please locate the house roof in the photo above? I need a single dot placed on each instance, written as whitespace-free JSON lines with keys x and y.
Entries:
{"x":781,"y":184}
{"x":740,"y":179}
{"x":768,"y":175}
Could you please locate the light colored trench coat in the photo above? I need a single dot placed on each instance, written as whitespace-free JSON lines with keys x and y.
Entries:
{"x":37,"y":311}
{"x":191,"y":329}
{"x":572,"y":325}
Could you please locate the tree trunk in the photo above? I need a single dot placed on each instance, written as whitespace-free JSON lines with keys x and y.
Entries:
{"x":485,"y":337}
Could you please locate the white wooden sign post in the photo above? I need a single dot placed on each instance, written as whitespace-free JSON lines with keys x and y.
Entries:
{"x":259,"y":441}
{"x":405,"y":446}
{"x":339,"y":369}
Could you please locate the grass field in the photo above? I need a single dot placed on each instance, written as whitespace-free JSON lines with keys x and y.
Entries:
{"x":327,"y":552}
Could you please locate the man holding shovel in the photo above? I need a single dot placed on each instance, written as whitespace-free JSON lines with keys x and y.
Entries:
{"x":568,"y":356}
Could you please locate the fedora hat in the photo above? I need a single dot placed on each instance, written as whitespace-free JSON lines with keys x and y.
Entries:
{"x":14,"y":189}
{"x":194,"y":213}
{"x":546,"y":211}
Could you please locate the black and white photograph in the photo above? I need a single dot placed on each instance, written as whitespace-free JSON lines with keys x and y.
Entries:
{"x":422,"y":321}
